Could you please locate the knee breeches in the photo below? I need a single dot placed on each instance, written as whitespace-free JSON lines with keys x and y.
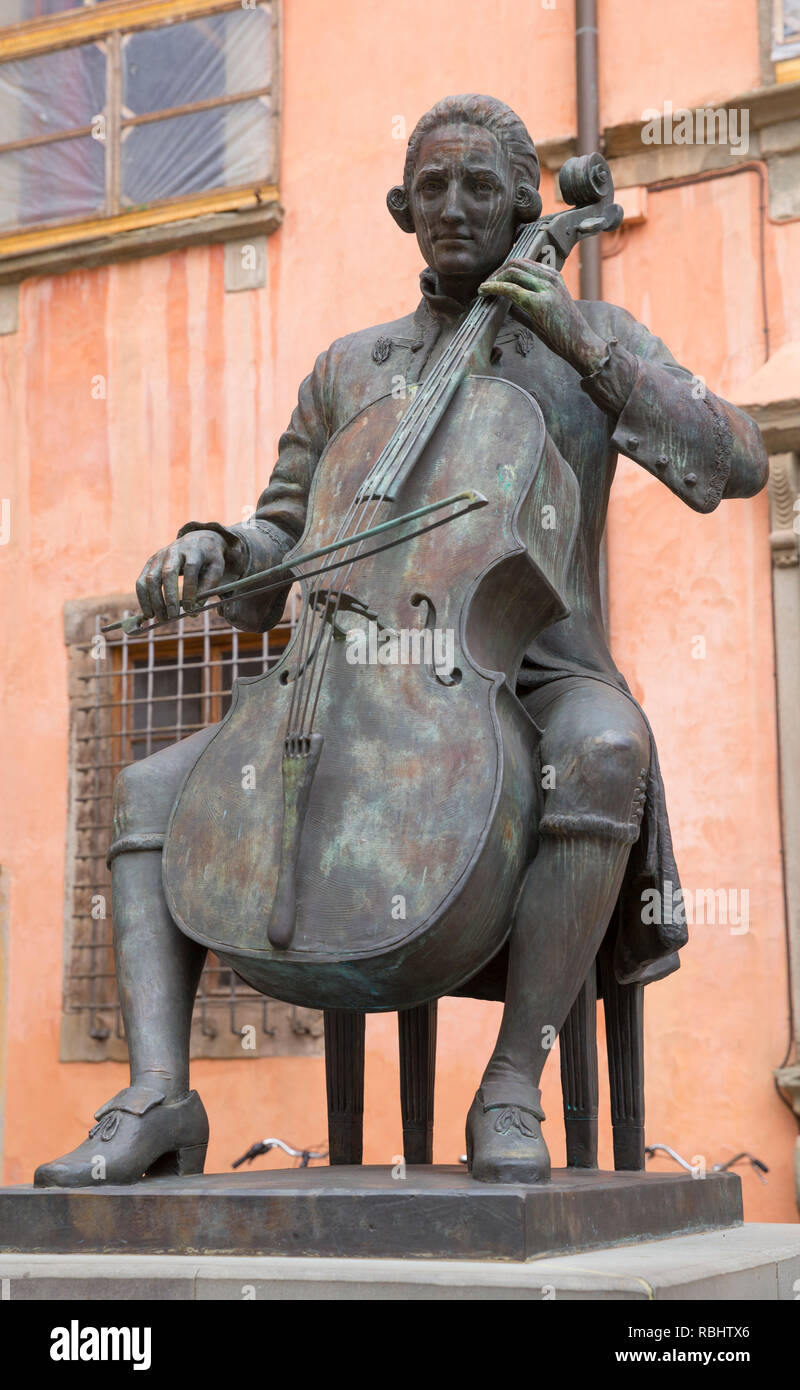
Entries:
{"x":145,"y":793}
{"x":595,"y":758}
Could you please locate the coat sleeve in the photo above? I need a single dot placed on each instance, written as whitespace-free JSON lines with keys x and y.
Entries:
{"x":279,"y":518}
{"x":668,"y":421}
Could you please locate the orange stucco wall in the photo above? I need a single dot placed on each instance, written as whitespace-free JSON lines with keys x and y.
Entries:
{"x":199,"y":385}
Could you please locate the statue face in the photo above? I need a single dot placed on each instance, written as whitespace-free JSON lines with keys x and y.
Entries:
{"x":462,"y":202}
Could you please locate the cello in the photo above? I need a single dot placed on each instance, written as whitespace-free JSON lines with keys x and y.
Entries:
{"x":373,"y":856}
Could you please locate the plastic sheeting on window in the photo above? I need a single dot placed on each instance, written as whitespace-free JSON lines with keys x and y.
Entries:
{"x":222,"y":55}
{"x":56,"y":183}
{"x":786,"y":30}
{"x":51,"y":92}
{"x":210,"y":77}
{"x":217,"y":56}
{"x":42,"y":97}
{"x":226,"y":147}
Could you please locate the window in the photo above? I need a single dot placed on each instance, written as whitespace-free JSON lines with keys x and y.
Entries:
{"x":131,"y":114}
{"x":786,"y":39}
{"x":129,"y":697}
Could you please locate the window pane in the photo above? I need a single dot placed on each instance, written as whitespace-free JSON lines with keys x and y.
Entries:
{"x":791,"y":19}
{"x":205,"y":58}
{"x":52,"y":183}
{"x":51,"y":92}
{"x":221,"y":148}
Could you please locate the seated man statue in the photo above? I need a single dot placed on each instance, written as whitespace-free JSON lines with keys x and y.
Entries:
{"x":605,"y":385}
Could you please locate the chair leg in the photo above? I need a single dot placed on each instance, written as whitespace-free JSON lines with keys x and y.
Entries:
{"x":417,"y":1034}
{"x":344,"y":1077}
{"x":578,"y":1045}
{"x":624,"y":1011}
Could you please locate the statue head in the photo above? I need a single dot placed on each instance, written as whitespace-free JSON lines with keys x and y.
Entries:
{"x":471,"y":177}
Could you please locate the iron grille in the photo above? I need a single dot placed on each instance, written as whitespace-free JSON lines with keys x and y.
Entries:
{"x":130,"y":697}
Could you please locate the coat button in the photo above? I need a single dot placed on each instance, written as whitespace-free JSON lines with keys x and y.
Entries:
{"x":690,"y":479}
{"x":633,"y":441}
{"x":662,"y":461}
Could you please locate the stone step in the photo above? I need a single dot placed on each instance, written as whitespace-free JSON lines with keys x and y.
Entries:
{"x":752,"y":1262}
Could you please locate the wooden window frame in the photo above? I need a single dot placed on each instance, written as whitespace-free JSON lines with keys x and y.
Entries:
{"x":211,"y":216}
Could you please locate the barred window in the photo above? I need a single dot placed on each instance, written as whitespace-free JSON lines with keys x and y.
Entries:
{"x":125,"y":115}
{"x":130,"y":697}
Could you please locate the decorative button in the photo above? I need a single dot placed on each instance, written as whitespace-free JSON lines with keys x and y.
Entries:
{"x":690,"y":479}
{"x":633,"y":441}
{"x":381,"y":350}
{"x":662,"y":461}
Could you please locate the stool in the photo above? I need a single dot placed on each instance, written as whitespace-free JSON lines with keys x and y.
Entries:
{"x":624,"y":1018}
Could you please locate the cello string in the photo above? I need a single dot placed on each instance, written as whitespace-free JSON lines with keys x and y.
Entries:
{"x":440,"y":376}
{"x":478,"y":310}
{"x":395,"y":450}
{"x":394,"y":453}
{"x":382,"y":473}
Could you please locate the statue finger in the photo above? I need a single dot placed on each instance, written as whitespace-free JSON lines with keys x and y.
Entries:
{"x":537,"y":268}
{"x":212,"y":574}
{"x":169,"y":579}
{"x":142,"y":593}
{"x":191,"y":576}
{"x":155,"y":597}
{"x":527,"y":277}
{"x":507,"y":290}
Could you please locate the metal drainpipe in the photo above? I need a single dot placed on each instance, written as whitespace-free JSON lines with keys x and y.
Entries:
{"x":591,"y":264}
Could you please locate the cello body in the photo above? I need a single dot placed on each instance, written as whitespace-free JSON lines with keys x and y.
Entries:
{"x":421,"y":815}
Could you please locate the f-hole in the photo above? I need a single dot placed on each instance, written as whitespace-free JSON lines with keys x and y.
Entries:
{"x":440,"y":674}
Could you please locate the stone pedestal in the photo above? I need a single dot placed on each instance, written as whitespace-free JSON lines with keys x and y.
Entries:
{"x":436,"y":1213}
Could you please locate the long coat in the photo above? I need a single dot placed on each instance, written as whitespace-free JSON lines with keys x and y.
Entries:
{"x":641,"y":403}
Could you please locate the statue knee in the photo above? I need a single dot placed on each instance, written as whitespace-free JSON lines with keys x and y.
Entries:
{"x":598,"y":778}
{"x":615,"y":754}
{"x":142,"y":802}
{"x":145,"y":793}
{"x":137,"y":818}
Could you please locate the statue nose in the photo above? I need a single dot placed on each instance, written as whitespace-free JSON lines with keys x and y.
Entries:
{"x":453,"y":211}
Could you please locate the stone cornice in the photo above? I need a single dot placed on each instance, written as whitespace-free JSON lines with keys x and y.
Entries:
{"x":779,"y":423}
{"x":765,"y":106}
{"x":774,"y":122}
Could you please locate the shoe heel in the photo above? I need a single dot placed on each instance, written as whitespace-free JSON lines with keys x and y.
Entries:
{"x":192,"y":1159}
{"x":179,"y":1163}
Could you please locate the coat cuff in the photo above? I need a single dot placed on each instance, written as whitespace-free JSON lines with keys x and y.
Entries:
{"x":683,"y":440}
{"x":250,"y":546}
{"x":235,"y":548}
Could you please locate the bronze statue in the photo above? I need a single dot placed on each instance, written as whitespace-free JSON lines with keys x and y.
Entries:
{"x":546,"y":392}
